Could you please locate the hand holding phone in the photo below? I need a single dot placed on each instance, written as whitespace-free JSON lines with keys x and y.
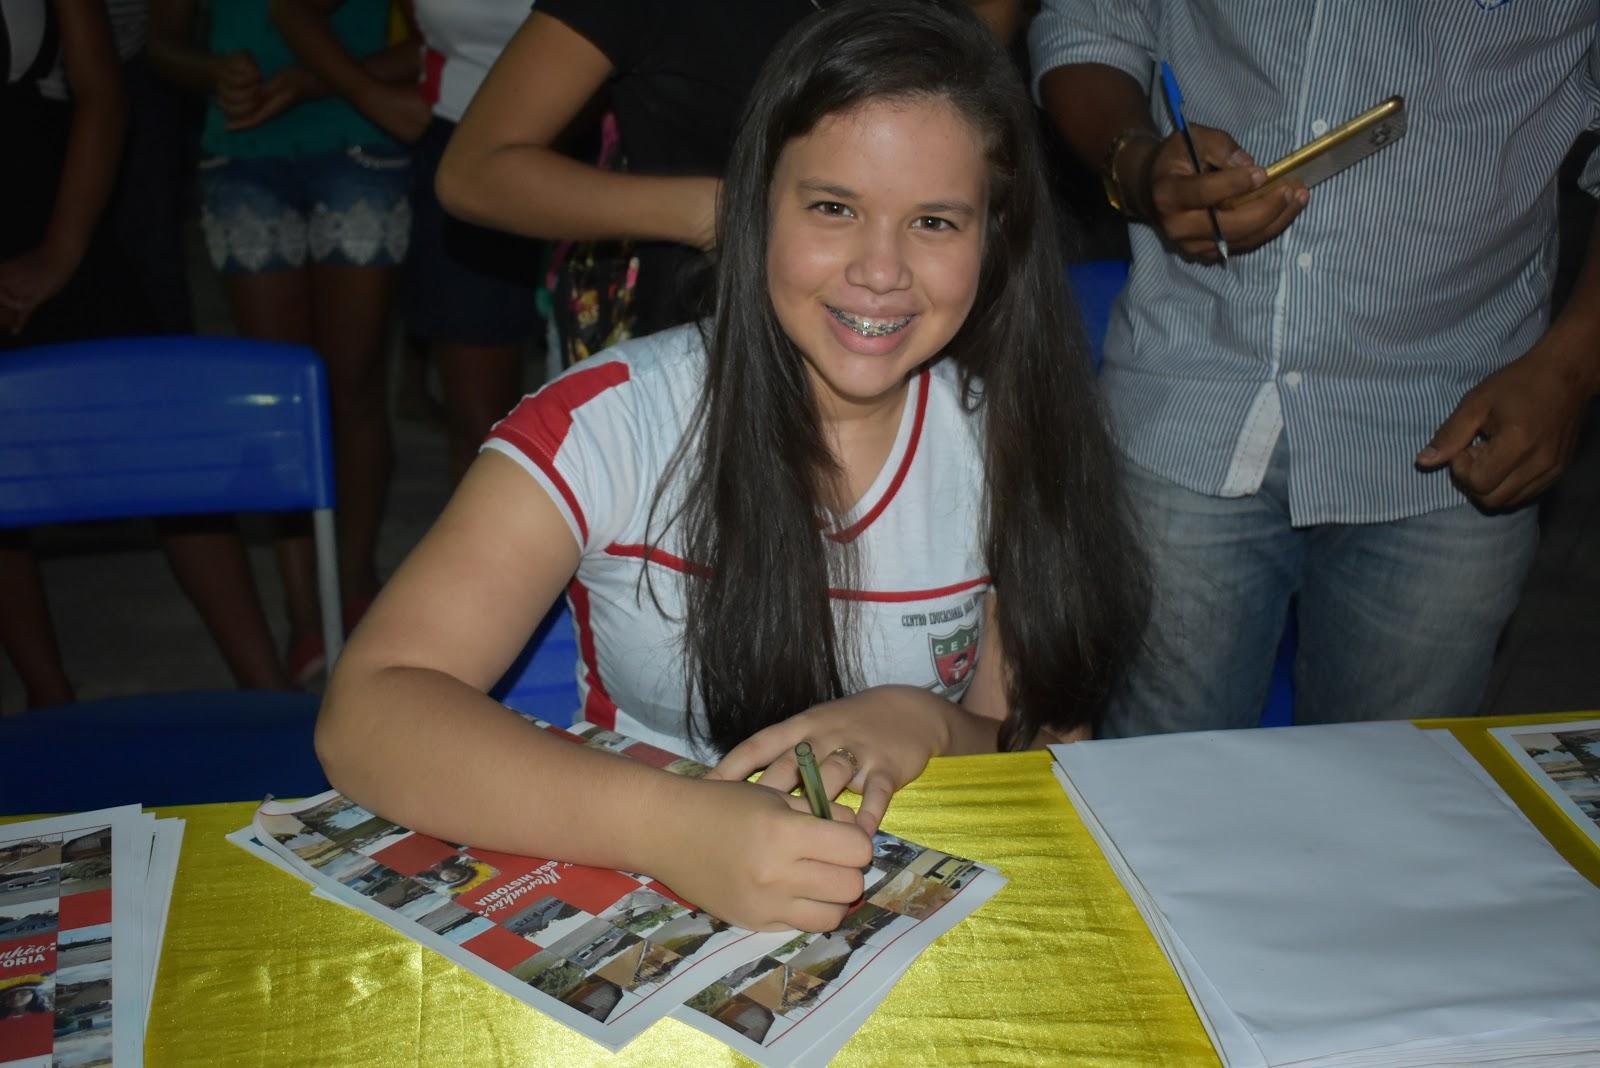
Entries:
{"x":1369,"y":132}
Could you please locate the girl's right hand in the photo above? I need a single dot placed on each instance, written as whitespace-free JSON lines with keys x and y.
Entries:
{"x":759,"y":859}
{"x":238,"y":83}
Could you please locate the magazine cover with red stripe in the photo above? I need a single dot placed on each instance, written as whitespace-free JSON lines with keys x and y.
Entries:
{"x":609,"y":952}
{"x":83,"y":903}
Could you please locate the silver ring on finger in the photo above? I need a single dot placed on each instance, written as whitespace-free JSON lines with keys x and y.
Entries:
{"x":855,"y":765}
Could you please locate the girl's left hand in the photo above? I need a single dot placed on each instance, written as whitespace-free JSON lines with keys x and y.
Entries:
{"x":890,"y":731}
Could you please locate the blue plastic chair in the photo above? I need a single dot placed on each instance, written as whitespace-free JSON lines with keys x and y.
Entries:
{"x":543,"y":681}
{"x":1095,"y":285}
{"x":166,"y":426}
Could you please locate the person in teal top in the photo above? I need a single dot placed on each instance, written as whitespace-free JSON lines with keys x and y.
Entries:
{"x":315,"y":125}
{"x":306,"y":215}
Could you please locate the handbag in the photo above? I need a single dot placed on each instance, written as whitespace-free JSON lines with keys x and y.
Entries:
{"x":592,"y":282}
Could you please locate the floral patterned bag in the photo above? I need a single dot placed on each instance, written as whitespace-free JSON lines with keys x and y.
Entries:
{"x":592,"y":282}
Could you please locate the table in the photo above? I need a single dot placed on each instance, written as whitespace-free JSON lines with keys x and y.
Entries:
{"x":1058,"y":968}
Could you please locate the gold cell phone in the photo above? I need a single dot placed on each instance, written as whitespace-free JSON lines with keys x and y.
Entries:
{"x":1314,"y":161}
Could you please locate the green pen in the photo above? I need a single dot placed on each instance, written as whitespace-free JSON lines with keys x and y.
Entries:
{"x":811,"y":782}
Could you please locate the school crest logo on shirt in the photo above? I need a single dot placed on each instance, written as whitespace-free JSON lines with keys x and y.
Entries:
{"x":954,"y":655}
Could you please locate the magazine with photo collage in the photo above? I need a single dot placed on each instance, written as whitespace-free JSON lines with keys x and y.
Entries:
{"x":83,"y":906}
{"x":1563,"y":759}
{"x":608,"y":952}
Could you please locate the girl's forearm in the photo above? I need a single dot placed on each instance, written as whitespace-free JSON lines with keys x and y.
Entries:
{"x":433,"y":754}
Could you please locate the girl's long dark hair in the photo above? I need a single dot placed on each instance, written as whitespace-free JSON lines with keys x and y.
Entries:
{"x":763,"y":638}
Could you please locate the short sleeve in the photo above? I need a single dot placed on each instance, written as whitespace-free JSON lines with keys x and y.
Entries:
{"x":1117,"y":33}
{"x":621,"y":29}
{"x":578,"y":439}
{"x":1590,"y":178}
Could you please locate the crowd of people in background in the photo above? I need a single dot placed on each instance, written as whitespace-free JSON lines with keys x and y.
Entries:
{"x":1350,"y":421}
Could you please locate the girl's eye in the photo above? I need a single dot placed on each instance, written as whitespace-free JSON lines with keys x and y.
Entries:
{"x":935,"y":223}
{"x":831,"y":207}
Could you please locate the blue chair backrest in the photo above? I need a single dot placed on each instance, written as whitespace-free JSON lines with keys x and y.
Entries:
{"x":1095,"y":285}
{"x":162,"y":426}
{"x":543,"y":681}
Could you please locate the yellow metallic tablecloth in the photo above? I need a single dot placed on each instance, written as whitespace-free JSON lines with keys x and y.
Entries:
{"x":1058,"y":969}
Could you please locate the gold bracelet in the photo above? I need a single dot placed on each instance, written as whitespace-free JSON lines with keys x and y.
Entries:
{"x":1115,"y":194}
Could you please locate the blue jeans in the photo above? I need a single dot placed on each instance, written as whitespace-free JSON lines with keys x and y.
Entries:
{"x":1397,"y":620}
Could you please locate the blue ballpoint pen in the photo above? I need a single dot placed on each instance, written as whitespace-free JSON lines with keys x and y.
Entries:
{"x":1169,"y":84}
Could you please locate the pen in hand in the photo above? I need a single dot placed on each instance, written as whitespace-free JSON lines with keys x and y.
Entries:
{"x":1169,"y":85}
{"x":811,"y":782}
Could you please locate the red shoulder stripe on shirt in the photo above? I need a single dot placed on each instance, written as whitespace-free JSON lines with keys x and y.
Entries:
{"x":528,"y":449}
{"x":539,"y":425}
{"x":653,"y":555}
{"x":650,"y":554}
{"x":598,"y":708}
{"x":853,"y":531}
{"x":899,"y":596}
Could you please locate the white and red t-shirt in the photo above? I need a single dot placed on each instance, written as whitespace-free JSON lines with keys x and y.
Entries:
{"x":463,"y":39}
{"x":598,"y":440}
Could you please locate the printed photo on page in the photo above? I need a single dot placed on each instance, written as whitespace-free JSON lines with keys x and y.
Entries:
{"x":776,"y":1008}
{"x":61,"y":959}
{"x":1564,"y":760}
{"x":605,"y":952}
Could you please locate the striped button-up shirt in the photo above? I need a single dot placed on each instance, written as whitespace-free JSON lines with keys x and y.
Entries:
{"x":1405,"y":282}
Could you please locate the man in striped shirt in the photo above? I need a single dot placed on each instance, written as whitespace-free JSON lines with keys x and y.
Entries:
{"x":1354,"y":410}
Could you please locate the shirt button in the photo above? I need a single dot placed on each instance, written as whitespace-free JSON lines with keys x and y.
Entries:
{"x":1292,"y":379}
{"x":1304,"y":260}
{"x":1318,"y":128}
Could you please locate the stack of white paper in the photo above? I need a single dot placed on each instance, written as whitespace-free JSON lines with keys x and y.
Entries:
{"x":608,"y":953}
{"x":1347,"y":895}
{"x":83,"y":909}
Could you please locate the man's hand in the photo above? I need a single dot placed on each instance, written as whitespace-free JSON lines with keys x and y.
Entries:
{"x":1509,"y":438}
{"x":1173,"y":198}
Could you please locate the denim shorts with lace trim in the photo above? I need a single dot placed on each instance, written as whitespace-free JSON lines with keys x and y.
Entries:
{"x":349,"y":208}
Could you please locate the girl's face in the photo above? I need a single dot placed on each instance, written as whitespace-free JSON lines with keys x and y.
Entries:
{"x":876,"y":237}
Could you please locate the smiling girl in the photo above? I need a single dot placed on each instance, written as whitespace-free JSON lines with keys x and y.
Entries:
{"x":869,"y":504}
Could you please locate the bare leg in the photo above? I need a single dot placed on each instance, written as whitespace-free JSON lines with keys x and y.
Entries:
{"x":276,"y":306}
{"x":413,"y":401}
{"x":349,"y":316}
{"x":481,"y":384}
{"x":209,"y":560}
{"x":26,"y":632}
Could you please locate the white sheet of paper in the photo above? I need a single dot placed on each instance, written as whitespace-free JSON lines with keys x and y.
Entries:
{"x":165,"y":846}
{"x":1347,"y":887}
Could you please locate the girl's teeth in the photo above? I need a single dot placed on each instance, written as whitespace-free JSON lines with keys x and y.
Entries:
{"x":869,"y":327}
